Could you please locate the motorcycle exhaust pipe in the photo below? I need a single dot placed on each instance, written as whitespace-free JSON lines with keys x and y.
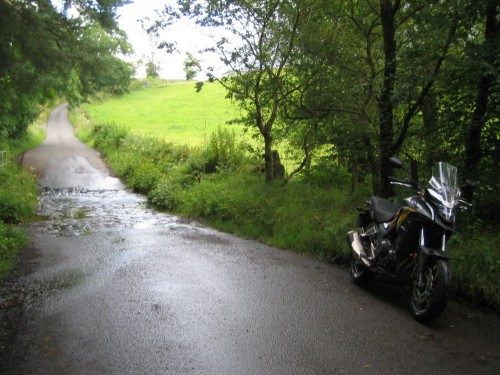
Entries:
{"x":354,"y":242}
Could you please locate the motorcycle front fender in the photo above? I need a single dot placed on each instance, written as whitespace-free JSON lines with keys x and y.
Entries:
{"x":430,"y":252}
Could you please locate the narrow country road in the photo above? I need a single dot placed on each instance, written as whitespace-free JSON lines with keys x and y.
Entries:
{"x":117,"y":288}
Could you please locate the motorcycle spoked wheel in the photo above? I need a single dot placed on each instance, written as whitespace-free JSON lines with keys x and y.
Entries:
{"x":359,"y":272}
{"x":429,"y":298}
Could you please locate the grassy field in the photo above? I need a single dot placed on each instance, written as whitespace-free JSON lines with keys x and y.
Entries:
{"x":170,"y":110}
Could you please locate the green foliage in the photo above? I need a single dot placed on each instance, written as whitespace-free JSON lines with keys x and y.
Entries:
{"x":165,"y":194}
{"x":18,"y":198}
{"x":108,"y":136}
{"x":11,"y":240}
{"x":476,"y":265}
{"x":325,"y":175}
{"x":224,"y":151}
{"x":152,"y":70}
{"x":45,"y":53}
{"x":15,"y":114}
{"x":299,"y":216}
{"x":192,"y":66}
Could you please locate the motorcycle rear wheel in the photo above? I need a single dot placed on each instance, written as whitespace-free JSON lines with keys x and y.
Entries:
{"x":428,"y":299}
{"x":360,"y":274}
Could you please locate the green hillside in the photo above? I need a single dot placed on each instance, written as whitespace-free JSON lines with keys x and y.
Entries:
{"x":173,"y":111}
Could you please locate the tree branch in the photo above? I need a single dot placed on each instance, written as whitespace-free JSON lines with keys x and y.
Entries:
{"x":417,"y":105}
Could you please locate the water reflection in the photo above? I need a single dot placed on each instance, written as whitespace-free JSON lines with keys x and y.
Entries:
{"x":78,"y":211}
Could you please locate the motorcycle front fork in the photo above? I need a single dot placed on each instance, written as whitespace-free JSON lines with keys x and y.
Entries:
{"x":426,"y":252}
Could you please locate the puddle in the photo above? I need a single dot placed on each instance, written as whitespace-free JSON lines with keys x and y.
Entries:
{"x":53,"y":284}
{"x":77,"y":211}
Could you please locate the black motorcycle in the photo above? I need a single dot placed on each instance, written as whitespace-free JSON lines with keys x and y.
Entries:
{"x":407,"y":243}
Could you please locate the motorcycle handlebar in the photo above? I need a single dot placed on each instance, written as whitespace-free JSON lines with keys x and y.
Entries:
{"x":464,"y":205}
{"x":406,"y":183}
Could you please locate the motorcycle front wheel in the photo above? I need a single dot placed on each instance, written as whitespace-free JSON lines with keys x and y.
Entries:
{"x":429,"y":292}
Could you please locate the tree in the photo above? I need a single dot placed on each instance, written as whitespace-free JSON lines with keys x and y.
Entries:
{"x":152,"y":69}
{"x":192,"y":66}
{"x":43,"y":50}
{"x":264,"y":37}
{"x":98,"y":67}
{"x":412,"y":31}
{"x":468,"y":100}
{"x":338,"y":65}
{"x":488,"y":66}
{"x":369,"y":79}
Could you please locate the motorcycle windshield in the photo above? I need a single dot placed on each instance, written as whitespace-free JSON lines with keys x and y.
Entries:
{"x":444,"y":189}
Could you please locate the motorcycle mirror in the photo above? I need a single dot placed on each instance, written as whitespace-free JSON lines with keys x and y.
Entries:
{"x":467,"y":190}
{"x":470,"y":183}
{"x":396,"y":163}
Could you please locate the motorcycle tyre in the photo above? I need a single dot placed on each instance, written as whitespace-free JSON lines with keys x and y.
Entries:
{"x":435,"y":296}
{"x":360,"y":274}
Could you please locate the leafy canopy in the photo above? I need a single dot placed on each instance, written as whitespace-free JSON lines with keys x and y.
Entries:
{"x":47,"y":52}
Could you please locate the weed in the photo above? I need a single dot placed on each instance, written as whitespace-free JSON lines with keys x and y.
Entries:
{"x":18,"y":198}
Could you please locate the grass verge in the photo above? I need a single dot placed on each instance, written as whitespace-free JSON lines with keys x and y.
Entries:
{"x":18,"y":197}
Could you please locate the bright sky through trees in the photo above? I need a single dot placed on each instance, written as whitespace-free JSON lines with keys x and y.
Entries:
{"x":189,"y":37}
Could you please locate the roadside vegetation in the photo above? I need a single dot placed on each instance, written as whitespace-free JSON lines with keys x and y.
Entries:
{"x":18,"y":196}
{"x":220,"y":182}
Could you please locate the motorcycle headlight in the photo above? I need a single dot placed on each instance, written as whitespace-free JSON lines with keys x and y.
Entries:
{"x":445,"y":208}
{"x":445,"y":212}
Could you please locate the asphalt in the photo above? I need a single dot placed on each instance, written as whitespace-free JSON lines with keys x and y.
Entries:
{"x":114,"y":287}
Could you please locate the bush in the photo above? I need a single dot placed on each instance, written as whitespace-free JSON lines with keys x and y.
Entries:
{"x":18,"y":194}
{"x":327,"y":175}
{"x":108,"y":136}
{"x":165,"y":194}
{"x":224,"y":151}
{"x":18,"y":199}
{"x":11,"y":240}
{"x":476,"y":265}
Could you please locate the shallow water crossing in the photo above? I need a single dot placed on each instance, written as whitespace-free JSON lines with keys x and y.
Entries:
{"x":77,"y":211}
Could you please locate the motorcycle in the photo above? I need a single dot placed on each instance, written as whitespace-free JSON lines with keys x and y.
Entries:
{"x":408,"y":243}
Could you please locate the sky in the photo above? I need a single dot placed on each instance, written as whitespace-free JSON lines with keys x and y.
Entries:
{"x":189,"y":37}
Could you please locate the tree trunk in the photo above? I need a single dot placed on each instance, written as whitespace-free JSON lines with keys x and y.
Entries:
{"x":473,"y":142}
{"x":268,"y":157}
{"x":386,"y":106}
{"x":429,"y":117}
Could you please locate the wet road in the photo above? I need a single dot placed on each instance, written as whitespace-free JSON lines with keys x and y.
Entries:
{"x":118,"y":288}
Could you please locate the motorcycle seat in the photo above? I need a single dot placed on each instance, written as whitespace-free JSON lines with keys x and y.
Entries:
{"x":383,"y":210}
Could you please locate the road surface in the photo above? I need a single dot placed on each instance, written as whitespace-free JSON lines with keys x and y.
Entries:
{"x":117,"y":288}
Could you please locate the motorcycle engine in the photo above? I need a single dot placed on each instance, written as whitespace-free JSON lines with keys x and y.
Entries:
{"x":383,"y":247}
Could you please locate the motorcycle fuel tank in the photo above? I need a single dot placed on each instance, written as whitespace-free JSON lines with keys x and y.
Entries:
{"x":415,"y":211}
{"x":420,"y":206}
